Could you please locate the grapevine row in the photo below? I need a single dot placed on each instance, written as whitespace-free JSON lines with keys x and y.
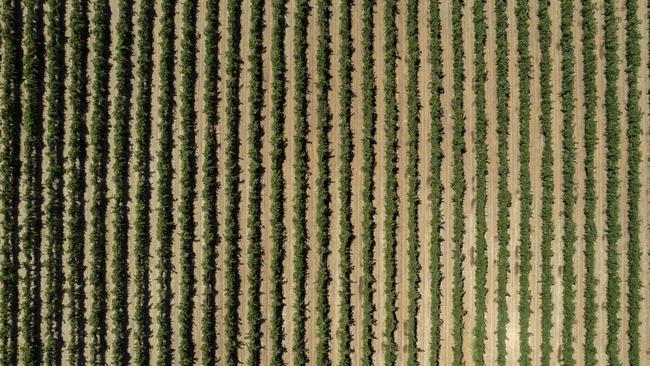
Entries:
{"x":458,"y":183}
{"x":33,"y":86}
{"x":544,"y":31}
{"x":391,"y":197}
{"x":436,"y":185}
{"x":122,"y":150}
{"x":526,"y":250}
{"x":591,"y":231}
{"x":99,"y":125}
{"x":413,"y":105}
{"x":301,"y":171}
{"x":504,"y":197}
{"x":210,"y":184}
{"x":480,"y":69}
{"x":634,"y":282}
{"x":612,"y":210}
{"x":278,"y":229}
{"x":165,"y":224}
{"x":188,"y":167}
{"x":323,"y":180}
{"x":76,"y":182}
{"x":142,"y":166}
{"x":10,"y":97}
{"x":255,"y":171}
{"x":345,"y":188}
{"x":369,"y":94}
{"x":232,"y":191}
{"x":568,"y":181}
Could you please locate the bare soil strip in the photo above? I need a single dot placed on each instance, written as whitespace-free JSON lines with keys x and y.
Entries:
{"x":601,"y":186}
{"x":512,"y":328}
{"x":579,"y":262}
{"x":380,"y":183}
{"x":265,"y":294}
{"x":289,"y":177}
{"x":558,"y":221}
{"x":155,"y":134}
{"x":622,"y":174}
{"x":536,"y":184}
{"x":313,"y":260}
{"x":492,"y":186}
{"x":469,"y":205}
{"x":357,"y":163}
{"x":424,"y":318}
{"x":446,"y":353}
{"x":221,"y":199}
{"x":245,"y":120}
{"x":402,"y":185}
{"x":644,"y":204}
{"x":335,"y":164}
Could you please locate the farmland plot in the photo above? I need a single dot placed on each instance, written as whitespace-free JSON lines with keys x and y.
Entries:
{"x":295,"y":182}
